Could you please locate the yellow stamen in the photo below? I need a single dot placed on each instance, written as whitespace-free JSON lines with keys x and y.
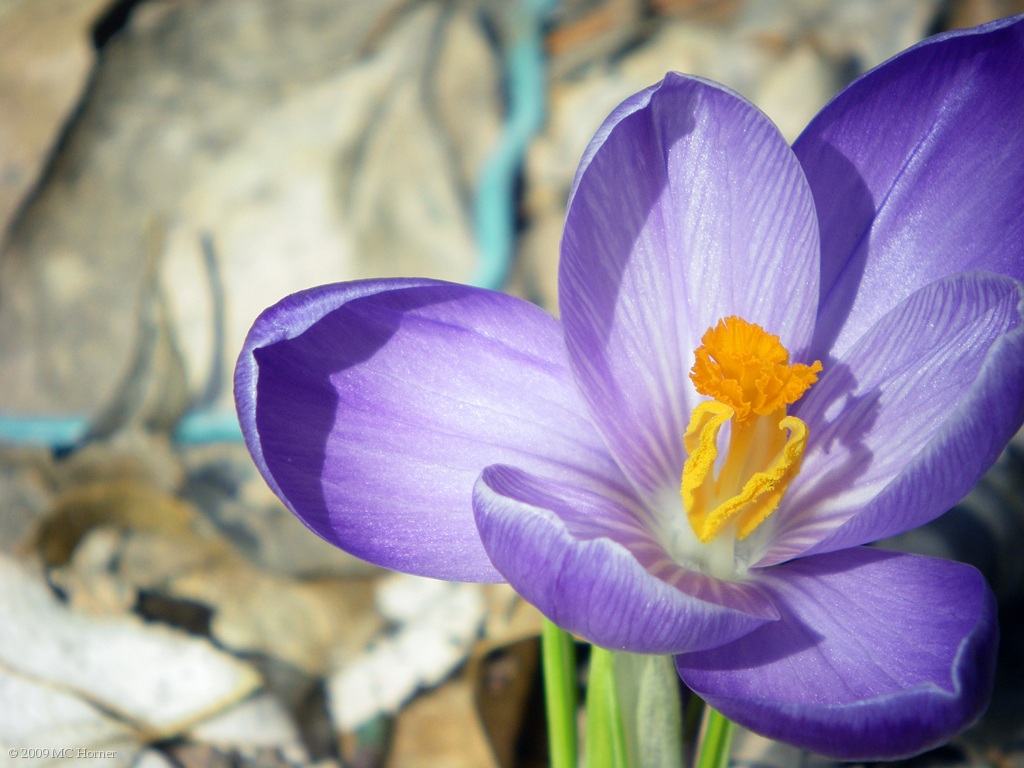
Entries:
{"x":747,"y":372}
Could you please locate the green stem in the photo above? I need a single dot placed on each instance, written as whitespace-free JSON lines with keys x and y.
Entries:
{"x":606,"y":739}
{"x":717,"y":742}
{"x":559,"y":663}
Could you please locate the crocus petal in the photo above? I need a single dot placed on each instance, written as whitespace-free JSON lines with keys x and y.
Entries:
{"x":372,"y":407}
{"x":909,"y":419}
{"x":583,"y":557}
{"x":688,"y":207}
{"x":917,"y":171}
{"x":877,"y":655}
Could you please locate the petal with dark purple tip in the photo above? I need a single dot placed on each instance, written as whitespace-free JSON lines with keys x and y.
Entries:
{"x":688,"y":207}
{"x":371,"y":408}
{"x":909,"y":419}
{"x":917,"y":170}
{"x":877,"y":655}
{"x":584,"y":558}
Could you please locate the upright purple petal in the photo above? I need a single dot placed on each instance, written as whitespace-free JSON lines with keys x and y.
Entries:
{"x":877,"y":655}
{"x":584,"y":556}
{"x":688,"y":207}
{"x":909,"y":419}
{"x":372,"y":407}
{"x":917,"y":170}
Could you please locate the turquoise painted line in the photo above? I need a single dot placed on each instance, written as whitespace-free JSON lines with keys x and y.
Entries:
{"x":42,"y":431}
{"x":495,"y":206}
{"x":206,"y":427}
{"x":63,"y":432}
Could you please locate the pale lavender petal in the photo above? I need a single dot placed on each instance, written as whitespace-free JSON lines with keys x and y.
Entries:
{"x":585,"y":558}
{"x":905,"y":424}
{"x":877,"y":655}
{"x":371,"y":408}
{"x":688,"y":207}
{"x":917,"y":170}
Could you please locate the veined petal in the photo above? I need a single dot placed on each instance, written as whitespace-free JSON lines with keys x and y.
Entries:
{"x":583,"y":556}
{"x":878,"y":655}
{"x":917,"y":170}
{"x":688,"y":207}
{"x":372,"y":407}
{"x":908,"y":420}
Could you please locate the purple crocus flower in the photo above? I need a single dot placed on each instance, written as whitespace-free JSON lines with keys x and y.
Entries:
{"x":767,"y":358}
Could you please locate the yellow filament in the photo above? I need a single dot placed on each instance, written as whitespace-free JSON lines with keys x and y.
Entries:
{"x":747,"y":372}
{"x":714,"y":504}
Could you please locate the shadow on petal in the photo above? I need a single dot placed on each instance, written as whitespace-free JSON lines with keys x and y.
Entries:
{"x":846,"y":213}
{"x":303,"y":367}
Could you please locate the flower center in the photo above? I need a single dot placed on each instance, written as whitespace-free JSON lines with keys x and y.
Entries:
{"x":746,"y":371}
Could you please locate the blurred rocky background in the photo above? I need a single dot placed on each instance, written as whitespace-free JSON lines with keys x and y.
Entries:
{"x":169,"y":168}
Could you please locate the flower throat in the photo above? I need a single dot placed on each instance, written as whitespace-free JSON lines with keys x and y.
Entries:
{"x":746,"y":372}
